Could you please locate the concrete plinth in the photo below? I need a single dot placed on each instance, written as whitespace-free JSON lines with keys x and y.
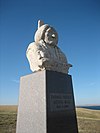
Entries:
{"x":46,"y":104}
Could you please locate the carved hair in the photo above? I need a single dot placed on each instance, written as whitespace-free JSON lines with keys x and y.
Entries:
{"x":40,"y":33}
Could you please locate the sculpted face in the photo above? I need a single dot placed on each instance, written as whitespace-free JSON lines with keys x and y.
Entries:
{"x":51,"y":36}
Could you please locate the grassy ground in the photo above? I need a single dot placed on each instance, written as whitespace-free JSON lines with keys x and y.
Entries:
{"x":88,"y":120}
{"x":8,"y":115}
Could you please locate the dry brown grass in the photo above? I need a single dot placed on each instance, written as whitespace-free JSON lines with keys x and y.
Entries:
{"x":8,"y":107}
{"x":8,"y":116}
{"x":88,"y":120}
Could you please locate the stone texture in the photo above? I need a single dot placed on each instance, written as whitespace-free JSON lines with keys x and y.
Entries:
{"x":32,"y":104}
{"x":46,"y":104}
{"x":44,"y":54}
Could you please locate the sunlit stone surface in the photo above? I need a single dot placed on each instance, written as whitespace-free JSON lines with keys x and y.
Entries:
{"x":44,"y":54}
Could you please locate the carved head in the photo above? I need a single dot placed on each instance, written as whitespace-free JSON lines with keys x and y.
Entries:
{"x":46,"y":33}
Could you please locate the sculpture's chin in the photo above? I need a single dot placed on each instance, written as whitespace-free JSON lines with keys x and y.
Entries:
{"x":52,"y":44}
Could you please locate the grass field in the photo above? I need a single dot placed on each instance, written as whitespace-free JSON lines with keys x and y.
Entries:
{"x":88,"y":120}
{"x":8,"y":115}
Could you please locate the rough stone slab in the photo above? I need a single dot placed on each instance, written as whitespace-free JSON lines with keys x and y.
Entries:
{"x":46,"y":104}
{"x":32,"y":104}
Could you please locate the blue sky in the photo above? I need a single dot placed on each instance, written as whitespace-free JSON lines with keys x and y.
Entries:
{"x":78,"y":25}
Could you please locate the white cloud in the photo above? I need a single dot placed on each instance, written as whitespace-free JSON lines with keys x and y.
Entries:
{"x":92,"y":84}
{"x":16,"y":81}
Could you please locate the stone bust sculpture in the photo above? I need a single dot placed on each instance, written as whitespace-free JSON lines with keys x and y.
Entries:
{"x":44,"y":54}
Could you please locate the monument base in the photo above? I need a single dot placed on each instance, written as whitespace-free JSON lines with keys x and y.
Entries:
{"x":46,"y":104}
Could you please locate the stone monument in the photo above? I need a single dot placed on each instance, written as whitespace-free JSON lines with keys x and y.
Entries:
{"x":46,"y":100}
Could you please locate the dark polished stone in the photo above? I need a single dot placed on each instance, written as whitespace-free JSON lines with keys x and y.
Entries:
{"x":61,"y":114}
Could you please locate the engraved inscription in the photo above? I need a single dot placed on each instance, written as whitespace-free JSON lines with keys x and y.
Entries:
{"x":60,"y":102}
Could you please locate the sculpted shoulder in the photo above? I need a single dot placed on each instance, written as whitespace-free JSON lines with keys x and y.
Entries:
{"x":32,"y":46}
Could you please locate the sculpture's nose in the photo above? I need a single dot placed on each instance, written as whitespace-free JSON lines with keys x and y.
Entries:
{"x":53,"y":35}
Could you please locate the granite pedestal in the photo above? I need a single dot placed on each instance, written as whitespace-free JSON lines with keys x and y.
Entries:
{"x":46,"y":104}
